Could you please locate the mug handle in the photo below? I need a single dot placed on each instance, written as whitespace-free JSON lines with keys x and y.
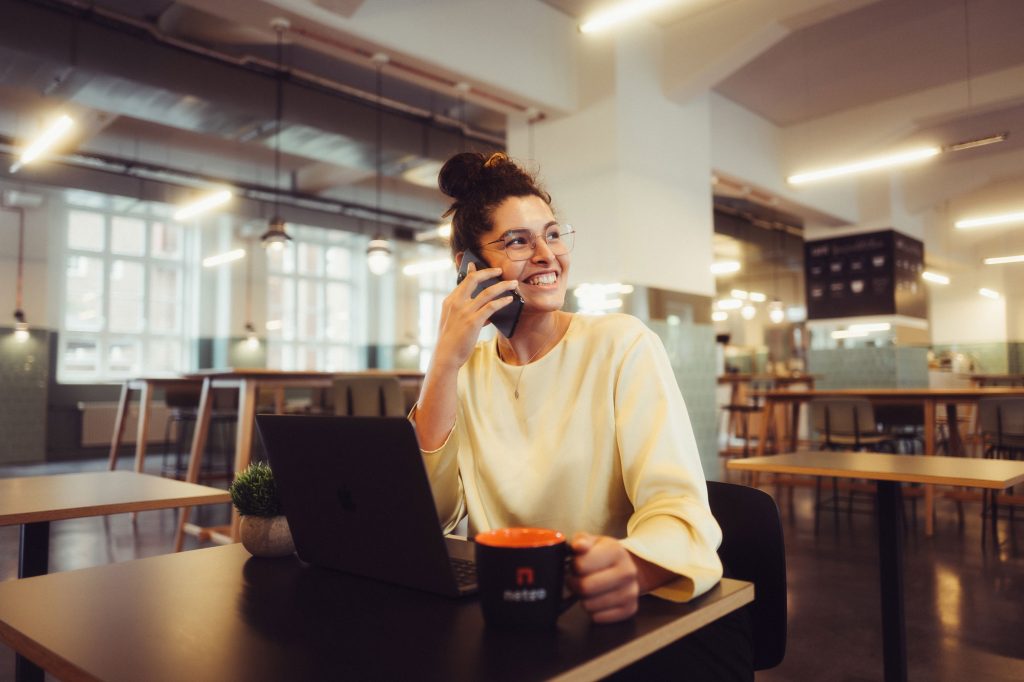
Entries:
{"x":568,"y":596}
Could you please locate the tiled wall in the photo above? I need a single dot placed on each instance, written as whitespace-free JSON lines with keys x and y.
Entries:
{"x":1015,"y":359}
{"x":989,"y":358}
{"x":24,"y":375}
{"x":691,"y":350}
{"x":887,"y":367}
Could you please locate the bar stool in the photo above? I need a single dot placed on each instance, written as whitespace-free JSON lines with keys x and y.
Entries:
{"x":184,"y":404}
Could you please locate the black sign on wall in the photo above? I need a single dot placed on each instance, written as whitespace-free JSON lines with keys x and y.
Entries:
{"x":876,"y":273}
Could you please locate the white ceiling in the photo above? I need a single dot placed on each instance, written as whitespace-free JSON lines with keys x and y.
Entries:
{"x":837,"y":56}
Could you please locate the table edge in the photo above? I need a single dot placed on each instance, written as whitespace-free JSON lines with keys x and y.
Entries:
{"x":114,"y":508}
{"x":825,"y":470}
{"x":634,"y":650}
{"x":42,"y":656}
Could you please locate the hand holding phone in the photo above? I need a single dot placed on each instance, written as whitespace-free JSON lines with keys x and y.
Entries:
{"x":504,"y":320}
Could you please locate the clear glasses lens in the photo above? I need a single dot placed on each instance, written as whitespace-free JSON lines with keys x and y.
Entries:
{"x":520,"y":244}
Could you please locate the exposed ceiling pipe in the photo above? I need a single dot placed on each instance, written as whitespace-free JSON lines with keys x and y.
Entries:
{"x":261,"y":193}
{"x":297,"y":76}
{"x":419,"y":74}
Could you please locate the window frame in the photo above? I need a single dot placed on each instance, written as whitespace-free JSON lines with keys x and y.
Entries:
{"x":145,"y":339}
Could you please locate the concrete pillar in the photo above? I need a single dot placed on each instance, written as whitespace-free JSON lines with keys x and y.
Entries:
{"x":630,"y":169}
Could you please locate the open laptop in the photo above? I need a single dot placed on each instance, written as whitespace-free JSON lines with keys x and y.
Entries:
{"x":358,"y":500}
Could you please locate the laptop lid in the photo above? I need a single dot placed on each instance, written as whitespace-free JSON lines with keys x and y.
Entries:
{"x":357,"y":498}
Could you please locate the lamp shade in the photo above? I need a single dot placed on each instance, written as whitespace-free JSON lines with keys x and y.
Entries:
{"x":378,"y":256}
{"x":20,"y":326}
{"x":275,"y":238}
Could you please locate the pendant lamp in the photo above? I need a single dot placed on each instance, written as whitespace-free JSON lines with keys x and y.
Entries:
{"x":276,"y":237}
{"x":379,"y":252}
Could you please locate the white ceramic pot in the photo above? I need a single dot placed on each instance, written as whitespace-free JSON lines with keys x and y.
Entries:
{"x":267,"y":536}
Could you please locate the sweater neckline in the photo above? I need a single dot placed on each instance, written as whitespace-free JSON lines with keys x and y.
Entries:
{"x":557,"y":346}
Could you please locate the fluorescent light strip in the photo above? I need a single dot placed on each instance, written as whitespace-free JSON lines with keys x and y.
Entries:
{"x":980,"y":142}
{"x":725,"y":267}
{"x":887,"y":161}
{"x":989,"y":220}
{"x":730,"y":304}
{"x":624,"y":11}
{"x":934,"y":277}
{"x":203,"y":204}
{"x":740,"y":294}
{"x":1004,"y":259}
{"x":871,"y":327}
{"x":848,"y":334}
{"x":45,"y":141}
{"x":989,"y":293}
{"x":222,"y":258}
{"x":758,"y":297}
{"x":427,"y":266}
{"x":719,"y":316}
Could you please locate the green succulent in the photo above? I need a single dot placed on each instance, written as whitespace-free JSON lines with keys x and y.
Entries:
{"x":253,"y":491}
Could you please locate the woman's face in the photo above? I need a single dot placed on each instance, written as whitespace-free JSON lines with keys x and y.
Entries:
{"x":543,"y":276}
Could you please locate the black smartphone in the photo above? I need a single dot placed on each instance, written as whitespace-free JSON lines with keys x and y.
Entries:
{"x":504,"y":320}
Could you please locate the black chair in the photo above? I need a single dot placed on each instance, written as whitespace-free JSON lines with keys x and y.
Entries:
{"x":847,"y":424}
{"x":367,"y":395}
{"x":1001,"y":422}
{"x":753,"y":550}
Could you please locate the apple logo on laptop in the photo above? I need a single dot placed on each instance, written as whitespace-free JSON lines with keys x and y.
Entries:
{"x":345,"y":497}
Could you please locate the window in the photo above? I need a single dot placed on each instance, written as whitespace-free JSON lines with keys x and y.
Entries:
{"x":430,"y":271}
{"x":314,"y":317}
{"x":434,"y":287}
{"x":125,"y":276}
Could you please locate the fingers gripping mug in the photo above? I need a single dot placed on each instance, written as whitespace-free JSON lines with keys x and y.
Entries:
{"x":521,"y":576}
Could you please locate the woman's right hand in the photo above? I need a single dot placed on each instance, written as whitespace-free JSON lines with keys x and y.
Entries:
{"x":462,"y":316}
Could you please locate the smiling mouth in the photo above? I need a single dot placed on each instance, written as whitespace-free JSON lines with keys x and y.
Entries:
{"x":544,"y":279}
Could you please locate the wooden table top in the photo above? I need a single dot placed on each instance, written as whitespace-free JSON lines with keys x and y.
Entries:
{"x":219,"y":614}
{"x":791,"y":379}
{"x":31,"y":499}
{"x":977,"y":473}
{"x":896,"y":393}
{"x":257,"y":373}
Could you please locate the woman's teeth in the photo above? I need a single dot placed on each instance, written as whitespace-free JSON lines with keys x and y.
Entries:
{"x":546,"y":278}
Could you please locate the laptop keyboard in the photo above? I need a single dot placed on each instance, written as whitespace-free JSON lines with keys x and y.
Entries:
{"x":465,"y":571}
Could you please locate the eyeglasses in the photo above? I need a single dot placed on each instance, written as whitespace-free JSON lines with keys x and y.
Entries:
{"x":520,"y":244}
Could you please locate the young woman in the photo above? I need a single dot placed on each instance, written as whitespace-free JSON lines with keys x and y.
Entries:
{"x":574,"y":423}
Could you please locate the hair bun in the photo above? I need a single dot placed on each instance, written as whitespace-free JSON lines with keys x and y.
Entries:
{"x":460,"y":174}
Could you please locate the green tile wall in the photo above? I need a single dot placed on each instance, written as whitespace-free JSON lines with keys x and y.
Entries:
{"x":888,"y":367}
{"x":691,"y":350}
{"x":24,"y":375}
{"x":988,"y":358}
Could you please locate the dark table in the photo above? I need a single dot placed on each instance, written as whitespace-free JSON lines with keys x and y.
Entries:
{"x":34,"y":501}
{"x":889,"y":471}
{"x":218,"y":614}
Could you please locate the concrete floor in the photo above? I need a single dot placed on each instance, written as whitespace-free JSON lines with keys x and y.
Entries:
{"x":964,"y":603}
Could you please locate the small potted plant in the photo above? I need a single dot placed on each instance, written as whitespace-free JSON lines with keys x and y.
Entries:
{"x":264,"y":529}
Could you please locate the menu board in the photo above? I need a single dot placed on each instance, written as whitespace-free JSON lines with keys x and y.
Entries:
{"x":875,"y":273}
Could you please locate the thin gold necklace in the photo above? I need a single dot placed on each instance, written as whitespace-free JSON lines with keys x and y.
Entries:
{"x":532,"y":357}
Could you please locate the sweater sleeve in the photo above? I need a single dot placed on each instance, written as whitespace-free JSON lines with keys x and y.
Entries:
{"x":671,"y":525}
{"x":442,"y":467}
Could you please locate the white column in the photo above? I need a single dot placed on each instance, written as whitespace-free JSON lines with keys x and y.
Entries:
{"x":631,"y":169}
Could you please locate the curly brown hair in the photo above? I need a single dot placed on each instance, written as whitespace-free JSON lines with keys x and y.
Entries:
{"x":479,"y":184}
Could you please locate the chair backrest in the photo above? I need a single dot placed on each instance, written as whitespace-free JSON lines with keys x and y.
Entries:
{"x":362,"y":395}
{"x":753,"y":549}
{"x":1002,"y":419}
{"x":842,"y":416}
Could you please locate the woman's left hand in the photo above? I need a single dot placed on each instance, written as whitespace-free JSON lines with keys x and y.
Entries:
{"x":604,"y":577}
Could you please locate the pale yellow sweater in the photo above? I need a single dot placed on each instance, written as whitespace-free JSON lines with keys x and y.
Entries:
{"x":599,"y":441}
